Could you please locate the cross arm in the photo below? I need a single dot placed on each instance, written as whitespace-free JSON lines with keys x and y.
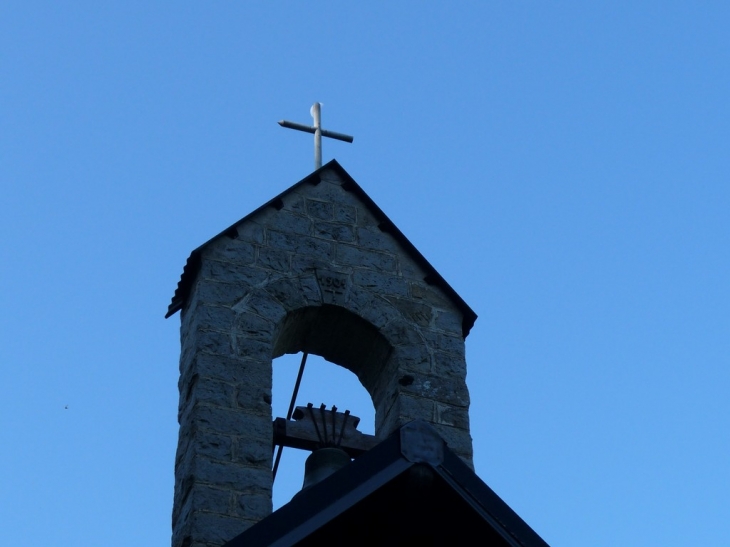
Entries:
{"x":310,"y":129}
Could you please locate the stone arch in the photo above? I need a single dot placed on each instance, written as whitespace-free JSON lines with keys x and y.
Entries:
{"x":364,"y":333}
{"x":338,"y":335}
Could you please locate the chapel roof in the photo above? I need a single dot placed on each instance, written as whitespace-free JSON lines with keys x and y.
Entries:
{"x":410,"y":489}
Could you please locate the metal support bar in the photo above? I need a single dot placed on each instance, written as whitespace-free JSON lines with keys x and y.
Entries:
{"x":296,"y":386}
{"x":342,"y":429}
{"x":289,"y":413}
{"x":322,"y":408}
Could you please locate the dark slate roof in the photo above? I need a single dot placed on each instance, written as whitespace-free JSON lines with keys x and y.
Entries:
{"x":411,"y":489}
{"x":432,"y":277}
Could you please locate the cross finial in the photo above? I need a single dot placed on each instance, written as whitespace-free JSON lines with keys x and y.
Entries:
{"x":315,"y":111}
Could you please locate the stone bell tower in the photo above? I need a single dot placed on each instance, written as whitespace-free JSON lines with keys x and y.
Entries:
{"x":319,"y":269}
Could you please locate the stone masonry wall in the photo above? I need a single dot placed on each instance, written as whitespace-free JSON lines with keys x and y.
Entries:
{"x":317,"y":261}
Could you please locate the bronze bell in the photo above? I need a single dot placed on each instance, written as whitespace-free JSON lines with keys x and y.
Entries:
{"x":322,"y":463}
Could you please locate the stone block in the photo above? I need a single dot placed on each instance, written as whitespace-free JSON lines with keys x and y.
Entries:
{"x":453,"y":416}
{"x":273,"y":259}
{"x":414,"y":312}
{"x":331,"y":191}
{"x":207,"y":390}
{"x":250,"y":231}
{"x":262,"y":304}
{"x":410,"y":270}
{"x":253,"y":453}
{"x":335,"y":232}
{"x":232,"y":272}
{"x":372,"y":237}
{"x":233,"y":476}
{"x":255,"y":350}
{"x":254,"y":504}
{"x":449,"y":321}
{"x":218,"y":420}
{"x":412,"y":358}
{"x":267,"y":215}
{"x":372,"y":308}
{"x":208,"y":341}
{"x":287,"y":222}
{"x":345,"y":213}
{"x":254,"y":326}
{"x":444,"y":342}
{"x":322,"y":210}
{"x":212,"y":500}
{"x":213,"y":446}
{"x":287,"y":292}
{"x":294,"y":202}
{"x":216,"y":529}
{"x":356,"y":257}
{"x":225,"y":294}
{"x":230,"y":250}
{"x":303,"y":245}
{"x":429,"y":294}
{"x":401,"y":332}
{"x":254,"y":397}
{"x":226,"y":421}
{"x":329,"y":176}
{"x":309,"y":290}
{"x":333,"y":286}
{"x":381,"y":283}
{"x":404,"y":409}
{"x":449,"y":364}
{"x":306,"y":264}
{"x":365,"y":217}
{"x":444,"y":390}
{"x":208,"y":317}
{"x":458,"y":440}
{"x":227,"y":368}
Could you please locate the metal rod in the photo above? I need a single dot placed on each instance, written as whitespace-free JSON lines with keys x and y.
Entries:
{"x":322,"y":408}
{"x":309,"y":129}
{"x":316,"y":427}
{"x":289,"y":413}
{"x":297,"y":126}
{"x":296,"y":386}
{"x":334,"y":423}
{"x":316,"y":112}
{"x":337,"y":136}
{"x":342,"y":429}
{"x":276,"y":463}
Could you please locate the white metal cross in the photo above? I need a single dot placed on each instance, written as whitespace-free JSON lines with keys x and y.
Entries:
{"x":315,"y":111}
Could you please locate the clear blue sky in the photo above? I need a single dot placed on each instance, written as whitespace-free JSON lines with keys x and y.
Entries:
{"x":564,"y":165}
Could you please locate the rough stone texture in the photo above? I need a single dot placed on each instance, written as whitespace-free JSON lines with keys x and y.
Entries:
{"x":318,"y":275}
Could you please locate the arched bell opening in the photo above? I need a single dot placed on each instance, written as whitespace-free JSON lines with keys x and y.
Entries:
{"x":329,"y":336}
{"x":322,"y":382}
